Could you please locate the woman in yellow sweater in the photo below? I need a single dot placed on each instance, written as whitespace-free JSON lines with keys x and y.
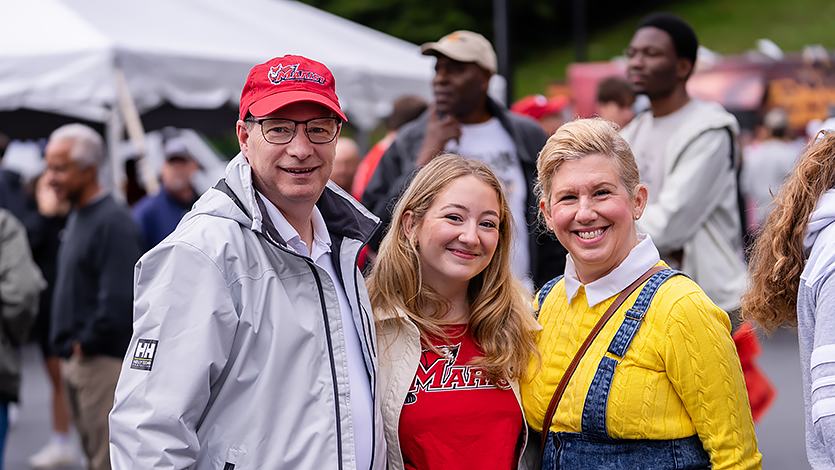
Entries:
{"x":661,"y":385}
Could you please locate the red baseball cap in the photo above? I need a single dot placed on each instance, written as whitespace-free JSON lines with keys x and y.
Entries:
{"x":537,"y":106}
{"x":285,"y":80}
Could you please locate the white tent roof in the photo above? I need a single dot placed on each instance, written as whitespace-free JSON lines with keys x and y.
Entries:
{"x":60,"y":56}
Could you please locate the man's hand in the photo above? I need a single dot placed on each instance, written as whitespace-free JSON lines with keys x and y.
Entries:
{"x":76,"y":350}
{"x":439,"y":131}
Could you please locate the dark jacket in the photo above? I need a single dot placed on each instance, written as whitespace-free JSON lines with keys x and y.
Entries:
{"x":397,"y":167}
{"x":93,"y":298}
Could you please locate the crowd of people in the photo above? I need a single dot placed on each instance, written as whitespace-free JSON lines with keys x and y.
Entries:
{"x":487,"y":288}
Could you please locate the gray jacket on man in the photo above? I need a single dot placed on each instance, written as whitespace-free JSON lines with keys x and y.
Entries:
{"x":238,"y":354}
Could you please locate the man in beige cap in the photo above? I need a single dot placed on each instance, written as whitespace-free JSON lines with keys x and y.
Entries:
{"x":466,"y":121}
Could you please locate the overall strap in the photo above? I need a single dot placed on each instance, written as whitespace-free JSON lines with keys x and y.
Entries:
{"x":555,"y":400}
{"x":635,"y":315}
{"x":597,"y":399}
{"x":543,"y":293}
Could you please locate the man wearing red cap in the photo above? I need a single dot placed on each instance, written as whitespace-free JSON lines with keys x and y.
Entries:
{"x":466,"y":121}
{"x":253,"y":341}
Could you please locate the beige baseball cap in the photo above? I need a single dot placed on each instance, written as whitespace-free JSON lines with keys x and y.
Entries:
{"x":464,"y":46}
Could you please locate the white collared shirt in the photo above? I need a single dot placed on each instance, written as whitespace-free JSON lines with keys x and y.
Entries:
{"x":639,"y":260}
{"x":362,"y":405}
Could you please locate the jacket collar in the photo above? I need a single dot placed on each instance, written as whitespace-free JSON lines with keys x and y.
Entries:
{"x":385,"y":314}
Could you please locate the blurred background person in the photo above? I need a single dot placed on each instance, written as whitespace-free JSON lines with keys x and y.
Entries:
{"x":404,"y":110}
{"x":766,"y":164}
{"x":454,"y":326}
{"x":615,"y":98}
{"x":345,"y":163}
{"x":20,"y":284}
{"x":793,"y":284}
{"x":158,"y":215}
{"x":661,"y":386}
{"x":549,"y":112}
{"x":44,"y":216}
{"x":14,"y":195}
{"x":92,"y":305}
{"x":59,"y":450}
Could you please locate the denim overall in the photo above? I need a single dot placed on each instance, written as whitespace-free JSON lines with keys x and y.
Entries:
{"x":593,"y":448}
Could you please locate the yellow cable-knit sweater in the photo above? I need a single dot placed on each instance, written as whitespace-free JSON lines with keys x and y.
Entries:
{"x":681,"y":376}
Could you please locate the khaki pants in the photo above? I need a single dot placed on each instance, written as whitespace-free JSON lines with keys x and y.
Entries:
{"x":91,"y":383}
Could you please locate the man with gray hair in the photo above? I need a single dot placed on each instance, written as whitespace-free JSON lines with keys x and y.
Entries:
{"x":92,"y":301}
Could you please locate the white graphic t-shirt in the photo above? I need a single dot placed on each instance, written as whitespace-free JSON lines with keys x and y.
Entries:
{"x":491,"y":143}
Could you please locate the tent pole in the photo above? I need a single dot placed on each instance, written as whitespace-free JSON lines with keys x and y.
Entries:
{"x":114,"y":138}
{"x":136,"y":132}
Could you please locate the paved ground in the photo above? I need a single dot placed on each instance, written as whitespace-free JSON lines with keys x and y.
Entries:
{"x":31,"y":430}
{"x":780,"y":433}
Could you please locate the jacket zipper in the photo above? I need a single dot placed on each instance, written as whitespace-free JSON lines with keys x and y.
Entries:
{"x":371,"y":348}
{"x":312,"y":267}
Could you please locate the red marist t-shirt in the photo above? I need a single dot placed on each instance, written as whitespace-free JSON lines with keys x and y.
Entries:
{"x":453,"y":417}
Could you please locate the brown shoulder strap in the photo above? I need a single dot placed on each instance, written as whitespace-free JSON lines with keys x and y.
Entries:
{"x":555,"y":400}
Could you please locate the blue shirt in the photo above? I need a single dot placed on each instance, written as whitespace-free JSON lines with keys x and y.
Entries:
{"x":158,"y":216}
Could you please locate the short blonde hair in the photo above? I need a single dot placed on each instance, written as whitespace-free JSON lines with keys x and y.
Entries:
{"x":581,"y":138}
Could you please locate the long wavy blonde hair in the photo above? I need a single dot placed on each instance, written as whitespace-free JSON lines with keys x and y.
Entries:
{"x":778,"y":257}
{"x":500,"y":320}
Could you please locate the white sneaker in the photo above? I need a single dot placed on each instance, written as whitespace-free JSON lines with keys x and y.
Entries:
{"x":53,"y":455}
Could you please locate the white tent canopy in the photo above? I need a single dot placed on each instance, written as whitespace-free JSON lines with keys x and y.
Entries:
{"x":64,"y":56}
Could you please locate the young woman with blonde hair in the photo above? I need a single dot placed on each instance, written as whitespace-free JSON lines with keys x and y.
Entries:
{"x":792,"y":284}
{"x":454,"y":328}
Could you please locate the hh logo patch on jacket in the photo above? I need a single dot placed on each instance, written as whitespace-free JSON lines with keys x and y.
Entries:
{"x":143,"y":357}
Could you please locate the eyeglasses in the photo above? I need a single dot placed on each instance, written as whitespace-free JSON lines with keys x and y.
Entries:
{"x":282,"y":131}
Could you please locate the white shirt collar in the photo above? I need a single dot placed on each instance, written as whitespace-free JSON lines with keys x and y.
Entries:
{"x":637,"y":262}
{"x":321,"y":237}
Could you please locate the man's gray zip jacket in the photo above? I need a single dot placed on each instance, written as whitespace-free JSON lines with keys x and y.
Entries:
{"x":238,"y":360}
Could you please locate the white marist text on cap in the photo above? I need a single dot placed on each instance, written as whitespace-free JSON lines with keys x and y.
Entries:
{"x":282,"y":73}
